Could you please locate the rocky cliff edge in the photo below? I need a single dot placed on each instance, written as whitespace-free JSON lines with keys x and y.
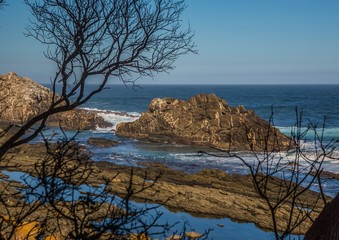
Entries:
{"x":21,"y":99}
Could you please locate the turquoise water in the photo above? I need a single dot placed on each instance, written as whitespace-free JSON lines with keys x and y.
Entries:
{"x":316,"y":102}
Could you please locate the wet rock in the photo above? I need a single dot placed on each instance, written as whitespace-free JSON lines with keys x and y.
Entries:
{"x":327,"y":175}
{"x":102,"y":142}
{"x":204,"y":120}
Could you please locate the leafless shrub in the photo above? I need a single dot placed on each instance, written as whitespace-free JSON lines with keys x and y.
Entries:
{"x":284,"y":178}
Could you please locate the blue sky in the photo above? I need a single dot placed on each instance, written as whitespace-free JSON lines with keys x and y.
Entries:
{"x":239,"y":42}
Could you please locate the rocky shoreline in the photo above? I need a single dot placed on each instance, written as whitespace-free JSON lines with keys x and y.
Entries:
{"x":211,"y":193}
{"x":204,"y":120}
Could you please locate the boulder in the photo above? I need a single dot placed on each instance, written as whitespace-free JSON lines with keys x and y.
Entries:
{"x":205,"y":120}
{"x":21,"y":99}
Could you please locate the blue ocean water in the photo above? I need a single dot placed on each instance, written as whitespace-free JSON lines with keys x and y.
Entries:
{"x":317,"y":102}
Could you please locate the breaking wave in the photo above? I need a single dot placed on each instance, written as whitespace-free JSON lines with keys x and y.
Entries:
{"x":114,"y":117}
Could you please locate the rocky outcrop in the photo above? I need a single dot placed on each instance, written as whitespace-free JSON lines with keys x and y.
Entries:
{"x":206,"y":120}
{"x":326,"y":226}
{"x":102,"y":142}
{"x":21,"y":99}
{"x":78,"y":119}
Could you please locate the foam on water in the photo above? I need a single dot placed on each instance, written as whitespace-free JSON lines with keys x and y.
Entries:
{"x":114,"y":117}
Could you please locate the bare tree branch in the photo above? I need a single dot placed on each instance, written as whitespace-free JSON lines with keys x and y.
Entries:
{"x":99,"y":40}
{"x":282,"y":179}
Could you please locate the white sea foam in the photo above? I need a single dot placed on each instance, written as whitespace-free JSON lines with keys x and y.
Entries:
{"x":113,"y":117}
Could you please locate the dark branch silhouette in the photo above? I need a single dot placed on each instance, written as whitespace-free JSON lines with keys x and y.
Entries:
{"x":56,"y":198}
{"x":99,"y":40}
{"x":88,"y":41}
{"x":283,"y":178}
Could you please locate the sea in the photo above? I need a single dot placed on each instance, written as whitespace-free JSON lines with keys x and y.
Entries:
{"x":319,"y":105}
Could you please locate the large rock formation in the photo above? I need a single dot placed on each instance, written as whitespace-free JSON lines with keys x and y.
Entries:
{"x":206,"y":120}
{"x":21,"y":99}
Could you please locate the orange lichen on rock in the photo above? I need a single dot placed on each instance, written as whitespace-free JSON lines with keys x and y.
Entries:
{"x":27,"y":231}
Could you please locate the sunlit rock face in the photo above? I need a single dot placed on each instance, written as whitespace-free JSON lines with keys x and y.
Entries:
{"x":22,"y":98}
{"x":205,"y":120}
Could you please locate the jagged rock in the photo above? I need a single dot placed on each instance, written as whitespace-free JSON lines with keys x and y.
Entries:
{"x":205,"y":119}
{"x":21,"y":99}
{"x":102,"y":142}
{"x":326,"y":226}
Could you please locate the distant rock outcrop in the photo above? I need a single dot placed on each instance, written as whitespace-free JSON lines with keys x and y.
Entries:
{"x":204,"y":120}
{"x":102,"y":142}
{"x":21,"y":99}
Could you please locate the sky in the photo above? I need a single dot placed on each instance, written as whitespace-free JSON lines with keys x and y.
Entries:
{"x":239,"y":42}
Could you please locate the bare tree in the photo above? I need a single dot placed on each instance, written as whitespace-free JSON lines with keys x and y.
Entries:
{"x":283,"y":179}
{"x":101,"y":40}
{"x":87,"y":40}
{"x":55,"y":198}
{"x":299,"y":170}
